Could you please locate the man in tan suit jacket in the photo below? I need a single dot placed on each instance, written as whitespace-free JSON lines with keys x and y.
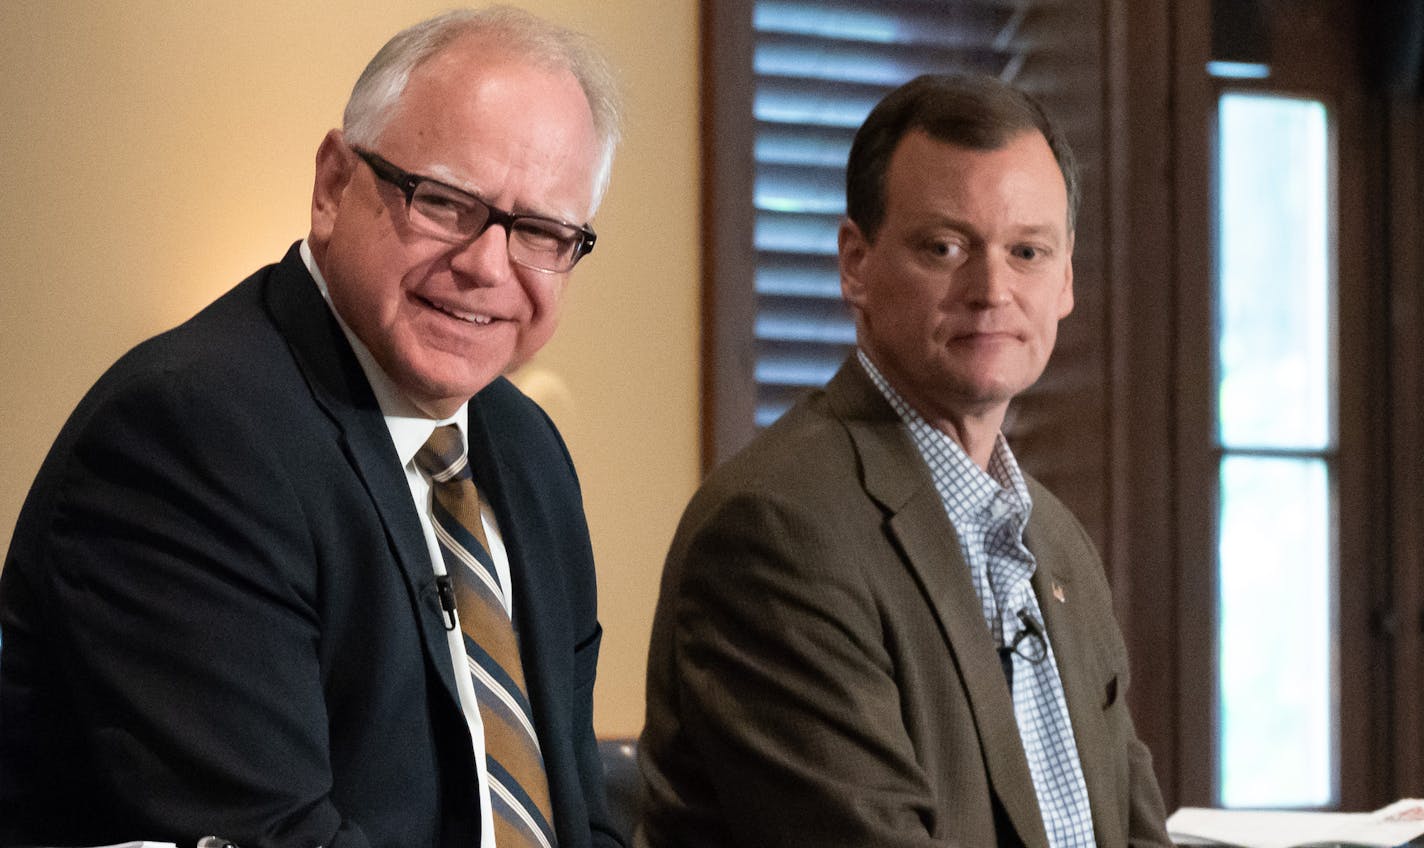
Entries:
{"x":840,"y":656}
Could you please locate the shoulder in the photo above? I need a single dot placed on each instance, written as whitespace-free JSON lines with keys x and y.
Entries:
{"x":229,"y":349}
{"x":207,"y":394}
{"x":791,"y":501}
{"x":506,"y":410}
{"x":520,"y":432}
{"x":1052,"y":521}
{"x":806,"y":444}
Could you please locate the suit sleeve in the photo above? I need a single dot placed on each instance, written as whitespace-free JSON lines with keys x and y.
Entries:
{"x":181,"y":602}
{"x":786,"y":685}
{"x":1147,"y":816}
{"x":590,"y":761}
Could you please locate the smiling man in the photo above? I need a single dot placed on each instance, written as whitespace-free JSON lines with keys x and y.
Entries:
{"x":307,"y":570}
{"x":873,"y":628}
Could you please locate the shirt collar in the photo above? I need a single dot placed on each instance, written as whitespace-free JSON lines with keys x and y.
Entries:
{"x":970,"y":493}
{"x":409,"y":428}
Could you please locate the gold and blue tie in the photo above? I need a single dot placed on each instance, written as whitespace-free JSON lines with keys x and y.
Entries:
{"x":519,"y":786}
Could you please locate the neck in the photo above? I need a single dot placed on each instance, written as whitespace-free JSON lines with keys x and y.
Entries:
{"x":976,"y":435}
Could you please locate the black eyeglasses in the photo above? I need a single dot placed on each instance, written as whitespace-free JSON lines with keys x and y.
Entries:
{"x":1029,"y":642}
{"x":450,"y":214}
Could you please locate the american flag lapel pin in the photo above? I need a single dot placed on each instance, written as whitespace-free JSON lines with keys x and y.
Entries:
{"x":1058,"y":592}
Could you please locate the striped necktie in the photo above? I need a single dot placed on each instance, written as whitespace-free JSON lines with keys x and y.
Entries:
{"x":519,"y":787}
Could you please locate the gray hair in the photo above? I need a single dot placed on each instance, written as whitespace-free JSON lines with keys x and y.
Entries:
{"x":378,"y":90}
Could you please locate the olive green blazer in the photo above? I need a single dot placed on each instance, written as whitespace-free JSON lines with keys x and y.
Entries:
{"x":820,"y":671}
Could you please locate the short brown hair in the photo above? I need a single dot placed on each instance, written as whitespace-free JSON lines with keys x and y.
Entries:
{"x":970,"y":110}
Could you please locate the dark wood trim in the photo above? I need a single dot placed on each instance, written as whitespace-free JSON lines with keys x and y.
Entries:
{"x":1405,"y":227}
{"x":1142,"y":538}
{"x":1362,"y":469}
{"x":1193,"y":127}
{"x":728,"y":227}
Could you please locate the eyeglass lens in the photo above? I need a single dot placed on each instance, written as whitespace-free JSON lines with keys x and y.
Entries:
{"x":545,"y":245}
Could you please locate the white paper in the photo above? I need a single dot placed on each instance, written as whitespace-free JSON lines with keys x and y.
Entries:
{"x":1391,"y":826}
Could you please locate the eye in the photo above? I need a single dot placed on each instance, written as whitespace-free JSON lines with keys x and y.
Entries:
{"x":542,"y":236}
{"x":1029,"y":252}
{"x":942,"y":250}
{"x":442,"y":206}
{"x":435,"y":201}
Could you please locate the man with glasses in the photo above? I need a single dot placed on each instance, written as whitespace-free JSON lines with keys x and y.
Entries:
{"x":308,"y":570}
{"x":874,"y":629}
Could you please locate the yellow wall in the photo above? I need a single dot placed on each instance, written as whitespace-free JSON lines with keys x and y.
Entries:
{"x":154,"y":153}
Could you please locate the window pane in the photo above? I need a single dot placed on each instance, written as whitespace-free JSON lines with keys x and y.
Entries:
{"x":1276,"y":641}
{"x":1274,"y":274}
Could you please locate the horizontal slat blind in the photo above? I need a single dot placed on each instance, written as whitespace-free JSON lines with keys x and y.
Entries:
{"x":819,"y":67}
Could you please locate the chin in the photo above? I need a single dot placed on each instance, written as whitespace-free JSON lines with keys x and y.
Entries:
{"x":442,"y":396}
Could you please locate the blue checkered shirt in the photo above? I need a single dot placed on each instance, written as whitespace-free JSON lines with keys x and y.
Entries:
{"x":989,"y":511}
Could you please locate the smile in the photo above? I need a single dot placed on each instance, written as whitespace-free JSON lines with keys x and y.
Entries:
{"x":467,"y":317}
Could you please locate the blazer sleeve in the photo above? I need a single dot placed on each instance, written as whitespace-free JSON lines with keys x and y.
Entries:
{"x":604,"y":832}
{"x":785,"y":686}
{"x":183,"y":624}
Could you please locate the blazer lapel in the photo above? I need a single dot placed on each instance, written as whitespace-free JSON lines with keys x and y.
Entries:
{"x":340,"y":388}
{"x":537,"y":597}
{"x":896,"y":477}
{"x":493,"y":480}
{"x":1089,"y":678}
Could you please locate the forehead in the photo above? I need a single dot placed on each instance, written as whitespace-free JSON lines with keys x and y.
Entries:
{"x":485,"y":118}
{"x":1020,"y":179}
{"x":473,"y":76}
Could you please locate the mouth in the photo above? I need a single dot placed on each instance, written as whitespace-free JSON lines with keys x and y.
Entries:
{"x":986,"y":335}
{"x":477,"y":318}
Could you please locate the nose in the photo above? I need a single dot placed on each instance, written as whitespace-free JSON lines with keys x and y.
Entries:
{"x":484,"y":261}
{"x":987,"y":280}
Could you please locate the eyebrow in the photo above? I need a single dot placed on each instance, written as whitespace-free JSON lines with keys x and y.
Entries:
{"x":443,"y":175}
{"x":438,"y":173}
{"x":1038,"y":230}
{"x":1042,"y":230}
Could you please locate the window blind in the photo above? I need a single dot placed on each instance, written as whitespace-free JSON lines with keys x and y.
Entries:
{"x":817,"y":69}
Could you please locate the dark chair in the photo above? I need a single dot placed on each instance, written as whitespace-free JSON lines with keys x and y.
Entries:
{"x":625,"y":785}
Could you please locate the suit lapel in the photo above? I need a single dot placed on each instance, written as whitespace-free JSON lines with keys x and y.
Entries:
{"x":1083,"y":669}
{"x":896,"y":477}
{"x":340,"y":388}
{"x":493,"y":480}
{"x":537,"y":595}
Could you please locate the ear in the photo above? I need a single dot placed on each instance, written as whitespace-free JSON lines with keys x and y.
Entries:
{"x":335,"y":164}
{"x":853,"y":247}
{"x":1065,"y":296}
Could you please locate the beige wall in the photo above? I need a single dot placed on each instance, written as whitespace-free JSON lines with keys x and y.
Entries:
{"x":154,"y":153}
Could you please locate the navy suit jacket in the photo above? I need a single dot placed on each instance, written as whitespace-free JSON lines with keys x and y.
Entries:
{"x":219,"y":614}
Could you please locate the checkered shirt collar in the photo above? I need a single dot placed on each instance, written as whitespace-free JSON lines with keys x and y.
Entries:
{"x":967,"y":490}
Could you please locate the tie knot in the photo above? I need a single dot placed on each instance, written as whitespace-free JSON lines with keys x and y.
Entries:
{"x":442,"y":457}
